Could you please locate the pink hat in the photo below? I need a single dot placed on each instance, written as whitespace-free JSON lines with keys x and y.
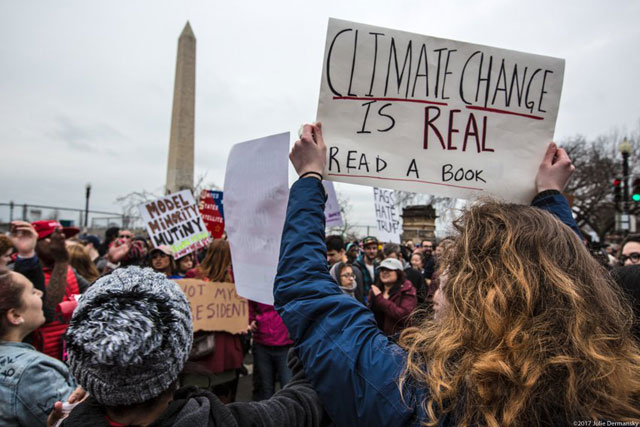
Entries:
{"x":162,"y":248}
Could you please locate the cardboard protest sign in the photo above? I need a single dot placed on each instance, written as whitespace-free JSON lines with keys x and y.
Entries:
{"x":174,"y":221}
{"x":423,"y":114}
{"x":332,"y":214}
{"x":215,"y":306}
{"x":387,"y":217}
{"x":256,"y":191}
{"x":212,"y":212}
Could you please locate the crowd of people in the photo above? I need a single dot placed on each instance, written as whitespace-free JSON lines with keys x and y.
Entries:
{"x":510,"y":321}
{"x":59,"y":265}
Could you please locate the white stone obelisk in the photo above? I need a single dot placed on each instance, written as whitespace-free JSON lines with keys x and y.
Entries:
{"x":180,"y":163}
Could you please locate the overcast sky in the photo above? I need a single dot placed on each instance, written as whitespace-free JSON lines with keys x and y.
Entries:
{"x":86,"y":86}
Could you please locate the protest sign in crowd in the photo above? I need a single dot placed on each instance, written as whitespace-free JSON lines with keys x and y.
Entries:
{"x":509,"y":321}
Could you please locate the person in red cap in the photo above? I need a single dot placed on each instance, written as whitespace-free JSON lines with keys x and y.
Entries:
{"x":47,"y":227}
{"x":61,"y":283}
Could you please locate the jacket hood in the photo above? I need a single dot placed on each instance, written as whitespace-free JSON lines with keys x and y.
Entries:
{"x":190,"y":407}
{"x":407,"y":287}
{"x":334,"y":274}
{"x":195,"y":407}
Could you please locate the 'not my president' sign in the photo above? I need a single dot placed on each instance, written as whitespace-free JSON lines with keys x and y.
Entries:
{"x":430,"y":115}
{"x":174,"y":221}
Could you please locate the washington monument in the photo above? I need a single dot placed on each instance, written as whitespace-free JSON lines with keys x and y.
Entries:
{"x":180,"y":163}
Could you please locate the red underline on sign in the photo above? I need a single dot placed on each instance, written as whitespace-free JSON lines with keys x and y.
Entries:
{"x":407,"y":180}
{"x":495,"y":110}
{"x":419,"y":101}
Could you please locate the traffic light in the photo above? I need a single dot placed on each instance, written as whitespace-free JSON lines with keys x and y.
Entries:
{"x":635,"y":190}
{"x":617,"y":190}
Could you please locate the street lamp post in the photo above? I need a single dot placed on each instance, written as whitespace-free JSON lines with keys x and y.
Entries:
{"x":86,"y":205}
{"x":625,"y":149}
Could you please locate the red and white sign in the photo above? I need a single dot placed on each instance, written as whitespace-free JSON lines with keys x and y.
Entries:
{"x":212,"y":212}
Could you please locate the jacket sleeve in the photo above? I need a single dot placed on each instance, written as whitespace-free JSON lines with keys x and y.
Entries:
{"x":359,"y":293}
{"x":83,"y":284}
{"x":252,"y":311}
{"x":42,"y":384}
{"x":347,"y":359}
{"x":556,"y":204}
{"x":32,"y":270}
{"x":395,"y":311}
{"x":296,"y":405}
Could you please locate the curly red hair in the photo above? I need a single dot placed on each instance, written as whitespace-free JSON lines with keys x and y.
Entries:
{"x":534,"y":332}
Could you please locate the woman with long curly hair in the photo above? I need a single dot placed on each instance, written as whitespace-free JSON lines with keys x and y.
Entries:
{"x":527,"y":326}
{"x":529,"y":329}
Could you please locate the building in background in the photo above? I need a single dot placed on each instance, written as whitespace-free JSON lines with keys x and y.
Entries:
{"x":419,"y":223}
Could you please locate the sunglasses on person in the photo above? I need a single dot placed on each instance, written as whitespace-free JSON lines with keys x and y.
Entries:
{"x":633,"y":256}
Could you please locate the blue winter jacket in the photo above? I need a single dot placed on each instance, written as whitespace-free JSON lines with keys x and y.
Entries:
{"x":351,"y":364}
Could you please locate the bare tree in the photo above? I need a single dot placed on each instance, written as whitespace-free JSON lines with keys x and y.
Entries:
{"x":131,"y":201}
{"x":201,"y":185}
{"x":406,"y":198}
{"x":347,"y":231}
{"x":444,"y":206}
{"x":591,"y":190}
{"x":598,"y":162}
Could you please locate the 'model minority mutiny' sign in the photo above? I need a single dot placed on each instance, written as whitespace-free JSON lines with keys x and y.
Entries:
{"x":175,"y":221}
{"x":430,"y":115}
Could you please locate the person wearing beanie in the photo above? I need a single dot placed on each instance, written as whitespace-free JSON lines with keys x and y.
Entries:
{"x":129,"y":336}
{"x":353,"y":250}
{"x":128,"y":340}
{"x":91,"y":245}
{"x":137,"y":253}
{"x":124,"y":251}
